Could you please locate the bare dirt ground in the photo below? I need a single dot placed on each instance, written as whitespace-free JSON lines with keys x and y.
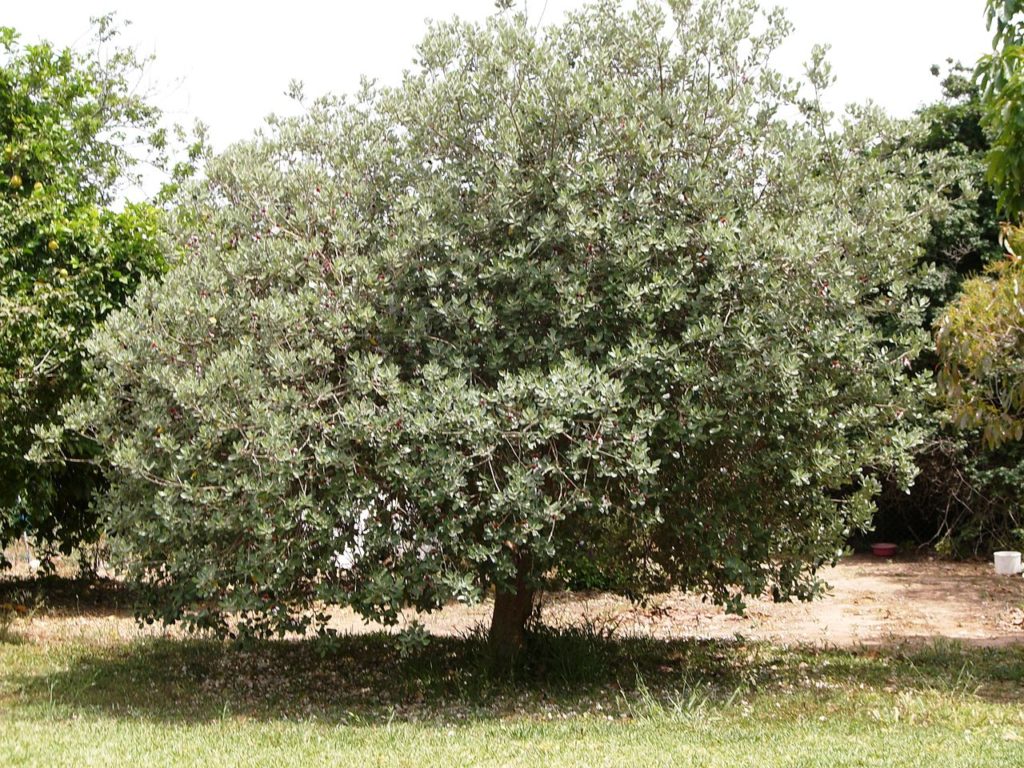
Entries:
{"x":873,"y":602}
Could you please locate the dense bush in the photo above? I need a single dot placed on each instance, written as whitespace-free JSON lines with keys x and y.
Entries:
{"x":613,"y":290}
{"x":965,"y":500}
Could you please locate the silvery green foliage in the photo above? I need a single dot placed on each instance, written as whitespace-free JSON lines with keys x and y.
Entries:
{"x":611,"y":292}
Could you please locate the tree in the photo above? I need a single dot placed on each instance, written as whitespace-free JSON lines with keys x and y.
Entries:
{"x":981,"y":342}
{"x":68,"y":122}
{"x":961,"y":242}
{"x":612,"y":292}
{"x":979,"y":337}
{"x":1001,"y":74}
{"x":951,"y":503}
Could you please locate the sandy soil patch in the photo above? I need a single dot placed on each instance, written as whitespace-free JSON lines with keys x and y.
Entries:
{"x":872,"y":602}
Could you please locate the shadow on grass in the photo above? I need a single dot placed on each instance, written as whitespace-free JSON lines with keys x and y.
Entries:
{"x":59,"y":596}
{"x":364,"y":678}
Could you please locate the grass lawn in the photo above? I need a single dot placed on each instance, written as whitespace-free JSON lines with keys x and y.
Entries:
{"x":581,"y":700}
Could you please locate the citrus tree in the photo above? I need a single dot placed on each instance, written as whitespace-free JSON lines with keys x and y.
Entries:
{"x":68,"y":121}
{"x":611,"y":295}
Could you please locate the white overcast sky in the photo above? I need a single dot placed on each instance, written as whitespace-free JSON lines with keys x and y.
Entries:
{"x":228,"y":63}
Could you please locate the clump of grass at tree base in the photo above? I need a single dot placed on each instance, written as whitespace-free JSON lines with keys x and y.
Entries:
{"x":17,"y":605}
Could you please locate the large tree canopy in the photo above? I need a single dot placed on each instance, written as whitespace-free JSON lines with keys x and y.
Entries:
{"x":611,"y":293}
{"x":67,"y":125}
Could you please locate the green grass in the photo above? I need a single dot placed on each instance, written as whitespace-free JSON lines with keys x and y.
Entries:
{"x":579,"y":700}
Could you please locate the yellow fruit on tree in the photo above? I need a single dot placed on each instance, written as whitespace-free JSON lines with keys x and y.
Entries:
{"x":52,"y":245}
{"x":15,"y":181}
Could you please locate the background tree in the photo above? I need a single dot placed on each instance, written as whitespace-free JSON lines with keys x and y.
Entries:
{"x":979,"y":337}
{"x":954,"y":502}
{"x":960,"y":242}
{"x":981,"y":340}
{"x":68,"y":125}
{"x":1001,"y":74}
{"x":610,"y":293}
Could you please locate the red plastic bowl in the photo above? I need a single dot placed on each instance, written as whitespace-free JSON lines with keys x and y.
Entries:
{"x":883,"y":550}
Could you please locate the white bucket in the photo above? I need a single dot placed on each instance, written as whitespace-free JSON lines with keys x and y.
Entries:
{"x":1007,"y":563}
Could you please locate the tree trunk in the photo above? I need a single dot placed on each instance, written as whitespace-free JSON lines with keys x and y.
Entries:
{"x":508,"y":623}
